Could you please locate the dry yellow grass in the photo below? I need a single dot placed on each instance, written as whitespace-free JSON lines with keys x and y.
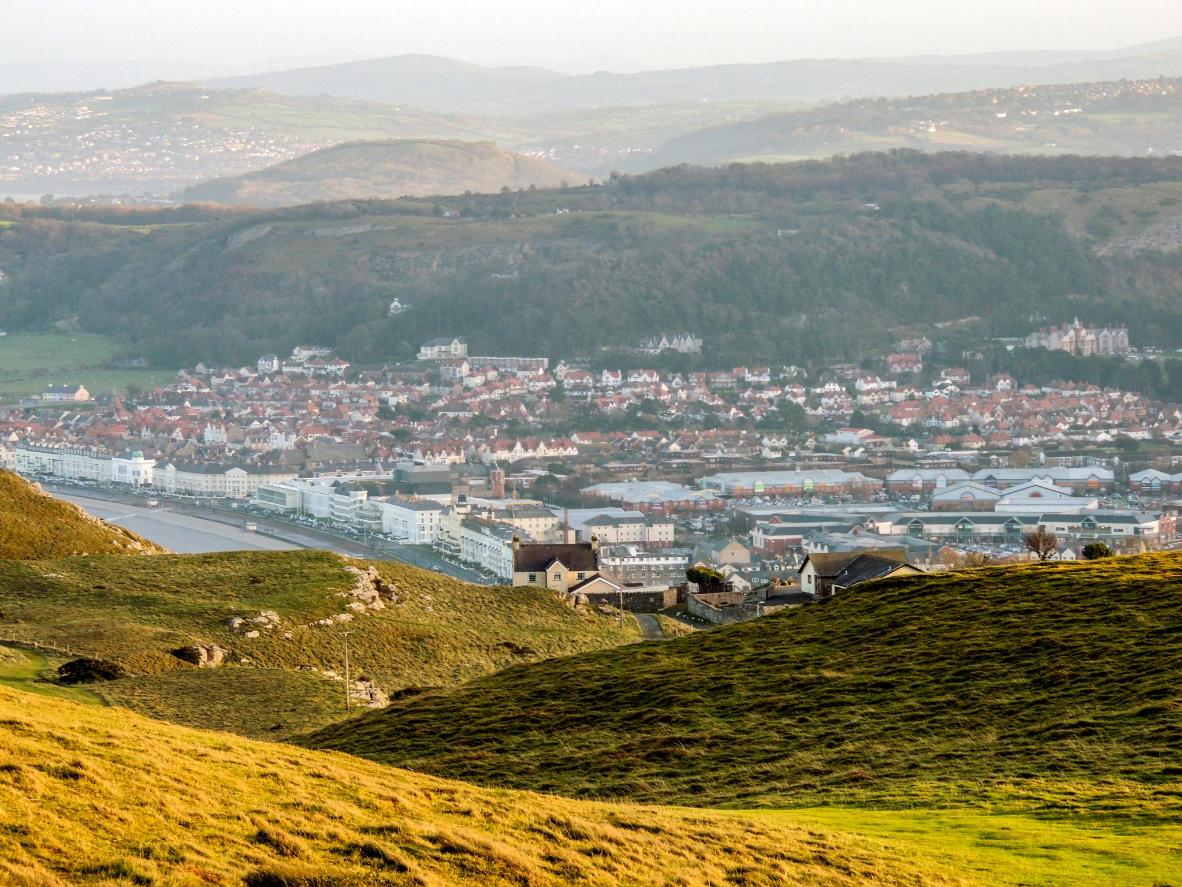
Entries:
{"x":433,"y":631}
{"x":33,"y":524}
{"x":104,"y":797}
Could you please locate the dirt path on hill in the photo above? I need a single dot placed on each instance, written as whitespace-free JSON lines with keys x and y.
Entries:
{"x":651,"y":626}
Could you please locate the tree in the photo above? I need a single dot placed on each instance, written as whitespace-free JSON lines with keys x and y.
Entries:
{"x":1093,"y":551}
{"x":1041,"y":542}
{"x":705,"y":578}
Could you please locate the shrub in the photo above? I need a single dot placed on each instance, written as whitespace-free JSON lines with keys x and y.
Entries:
{"x":1093,"y":551}
{"x":88,"y":671}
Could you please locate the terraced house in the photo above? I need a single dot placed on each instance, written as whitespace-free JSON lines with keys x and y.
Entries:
{"x":991,"y":527}
{"x":567,"y":567}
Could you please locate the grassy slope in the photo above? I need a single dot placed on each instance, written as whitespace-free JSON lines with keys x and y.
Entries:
{"x":387,"y":169}
{"x":31,"y":361}
{"x":33,"y":672}
{"x":36,"y":525}
{"x":439,"y":632}
{"x":1046,"y":688}
{"x":101,"y":796}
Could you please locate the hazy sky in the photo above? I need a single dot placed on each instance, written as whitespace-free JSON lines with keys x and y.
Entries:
{"x":258,"y":34}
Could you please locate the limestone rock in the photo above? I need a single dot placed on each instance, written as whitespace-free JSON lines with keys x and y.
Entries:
{"x":201,"y":655}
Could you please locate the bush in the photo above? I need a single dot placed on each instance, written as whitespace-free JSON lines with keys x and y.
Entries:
{"x":1093,"y":551}
{"x":88,"y":671}
{"x":704,"y":576}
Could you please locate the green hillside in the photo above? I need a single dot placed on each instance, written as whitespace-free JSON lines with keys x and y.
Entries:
{"x":34,"y":524}
{"x":386,"y":169}
{"x":766,"y":262}
{"x":1051,"y":689}
{"x":281,"y":668}
{"x":92,"y":796}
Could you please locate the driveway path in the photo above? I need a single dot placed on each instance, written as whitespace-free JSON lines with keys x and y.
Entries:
{"x":651,"y":626}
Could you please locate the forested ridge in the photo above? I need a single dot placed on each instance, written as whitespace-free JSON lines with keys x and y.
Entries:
{"x":821,"y":259}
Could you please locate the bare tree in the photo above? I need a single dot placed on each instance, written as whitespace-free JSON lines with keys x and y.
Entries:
{"x":1041,"y":542}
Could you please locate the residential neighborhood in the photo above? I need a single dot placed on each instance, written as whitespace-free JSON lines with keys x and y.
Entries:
{"x":753,"y":470}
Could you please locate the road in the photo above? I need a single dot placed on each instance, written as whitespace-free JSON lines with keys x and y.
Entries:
{"x":193,"y":529}
{"x":651,"y":626}
{"x":183,"y":533}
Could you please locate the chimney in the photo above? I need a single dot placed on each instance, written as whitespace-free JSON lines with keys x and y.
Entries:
{"x":517,"y":543}
{"x":595,"y":544}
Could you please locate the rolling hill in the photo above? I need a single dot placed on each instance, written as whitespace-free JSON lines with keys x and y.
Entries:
{"x":1051,"y":689}
{"x":458,"y":87}
{"x":92,"y":796}
{"x":1124,"y":118}
{"x":34,"y":524}
{"x":385,"y":169}
{"x":164,"y":136}
{"x":767,"y":262}
{"x":254,"y":642}
{"x":159,"y":138}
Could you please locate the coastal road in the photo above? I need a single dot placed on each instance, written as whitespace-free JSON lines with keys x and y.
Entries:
{"x":182,"y":533}
{"x":193,"y":529}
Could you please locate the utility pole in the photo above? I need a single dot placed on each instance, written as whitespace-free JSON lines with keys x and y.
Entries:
{"x":621,"y":605}
{"x":347,"y":671}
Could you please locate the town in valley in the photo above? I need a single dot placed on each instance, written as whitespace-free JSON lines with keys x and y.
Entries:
{"x":747,"y":472}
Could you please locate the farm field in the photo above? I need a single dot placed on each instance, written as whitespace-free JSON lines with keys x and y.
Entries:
{"x":31,"y":361}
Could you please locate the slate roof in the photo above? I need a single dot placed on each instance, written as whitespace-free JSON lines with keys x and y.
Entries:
{"x":831,"y":565}
{"x":578,"y":556}
{"x":868,"y":566}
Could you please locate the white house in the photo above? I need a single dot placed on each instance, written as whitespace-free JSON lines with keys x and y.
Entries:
{"x":65,"y":394}
{"x":216,"y":480}
{"x":133,"y":470}
{"x":444,"y":349}
{"x":410,"y":521}
{"x":57,"y":460}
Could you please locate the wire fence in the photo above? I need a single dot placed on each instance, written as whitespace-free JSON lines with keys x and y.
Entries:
{"x":46,"y":647}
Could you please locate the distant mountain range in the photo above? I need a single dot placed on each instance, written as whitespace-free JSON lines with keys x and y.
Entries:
{"x":164,"y":137}
{"x":386,"y":169}
{"x":458,"y":87}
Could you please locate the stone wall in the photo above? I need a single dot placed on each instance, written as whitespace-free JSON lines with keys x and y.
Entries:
{"x":724,"y":607}
{"x":638,"y":600}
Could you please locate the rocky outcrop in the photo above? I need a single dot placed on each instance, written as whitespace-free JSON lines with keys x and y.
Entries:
{"x":370,"y":591}
{"x":365,"y":692}
{"x":201,"y":655}
{"x":247,"y":235}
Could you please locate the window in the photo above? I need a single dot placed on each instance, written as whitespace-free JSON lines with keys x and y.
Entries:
{"x":533,"y":577}
{"x":582,"y":575}
{"x":557,"y":577}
